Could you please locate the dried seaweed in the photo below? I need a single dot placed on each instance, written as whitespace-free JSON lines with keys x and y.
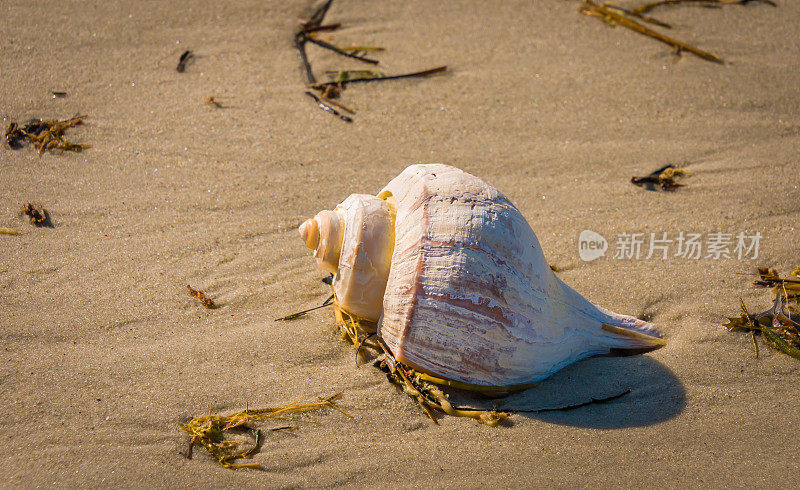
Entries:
{"x":14,"y":136}
{"x":618,"y":16}
{"x":210,"y":100}
{"x":562,"y":268}
{"x":770,"y":278}
{"x":360,"y":332}
{"x":663,"y":178}
{"x":614,"y":14}
{"x":184,"y":60}
{"x":211,"y":431}
{"x":324,"y":44}
{"x":641,"y":17}
{"x":201,"y":296}
{"x":429,"y":396}
{"x":779,"y":325}
{"x":705,"y":3}
{"x":299,"y":314}
{"x":44,"y":135}
{"x":307,"y":33}
{"x":328,"y":108}
{"x":331,"y":93}
{"x":380,"y":77}
{"x":37,"y":214}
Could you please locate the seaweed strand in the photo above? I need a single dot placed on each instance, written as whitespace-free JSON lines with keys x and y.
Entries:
{"x":327,"y":108}
{"x":342,"y":83}
{"x":335,"y":49}
{"x":650,"y":6}
{"x":635,"y":26}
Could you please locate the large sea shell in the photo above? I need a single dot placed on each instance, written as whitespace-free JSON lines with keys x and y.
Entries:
{"x":465,"y":291}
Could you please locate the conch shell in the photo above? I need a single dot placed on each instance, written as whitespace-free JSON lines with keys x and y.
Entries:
{"x":457,"y":282}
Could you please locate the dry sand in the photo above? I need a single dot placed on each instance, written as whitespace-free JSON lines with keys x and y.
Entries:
{"x":104,"y":354}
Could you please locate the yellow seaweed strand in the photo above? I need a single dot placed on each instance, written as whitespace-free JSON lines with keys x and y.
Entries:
{"x":610,"y":15}
{"x":210,"y":430}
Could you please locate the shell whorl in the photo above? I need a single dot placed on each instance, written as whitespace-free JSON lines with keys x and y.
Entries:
{"x":324,"y":234}
{"x":355,"y":242}
{"x":470,"y":296}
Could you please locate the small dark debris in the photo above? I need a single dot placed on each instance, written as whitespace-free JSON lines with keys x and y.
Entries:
{"x":37,"y":214}
{"x":184,"y":60}
{"x":664,"y":178}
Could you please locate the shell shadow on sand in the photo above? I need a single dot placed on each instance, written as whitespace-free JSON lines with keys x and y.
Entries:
{"x":655,"y":395}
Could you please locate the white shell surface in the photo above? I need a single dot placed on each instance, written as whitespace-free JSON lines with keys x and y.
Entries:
{"x":470,"y":296}
{"x":366,"y":253}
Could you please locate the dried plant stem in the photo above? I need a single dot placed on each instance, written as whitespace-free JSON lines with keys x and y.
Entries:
{"x":337,"y":104}
{"x":635,"y":26}
{"x":299,"y":314}
{"x":755,"y":343}
{"x":338,"y":50}
{"x":592,"y":401}
{"x":300,"y":44}
{"x":9,"y":231}
{"x":651,"y":6}
{"x":327,"y":108}
{"x":423,"y":73}
{"x":316,"y":19}
{"x":644,"y":18}
{"x":328,"y":27}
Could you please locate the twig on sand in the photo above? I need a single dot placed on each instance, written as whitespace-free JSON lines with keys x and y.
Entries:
{"x":299,"y":314}
{"x":422,"y":73}
{"x":337,"y":50}
{"x":592,"y":401}
{"x":328,"y":108}
{"x":611,"y":16}
{"x":331,"y":90}
{"x":711,"y":3}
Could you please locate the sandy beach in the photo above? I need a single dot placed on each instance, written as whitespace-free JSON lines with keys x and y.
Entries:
{"x":105,"y":355}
